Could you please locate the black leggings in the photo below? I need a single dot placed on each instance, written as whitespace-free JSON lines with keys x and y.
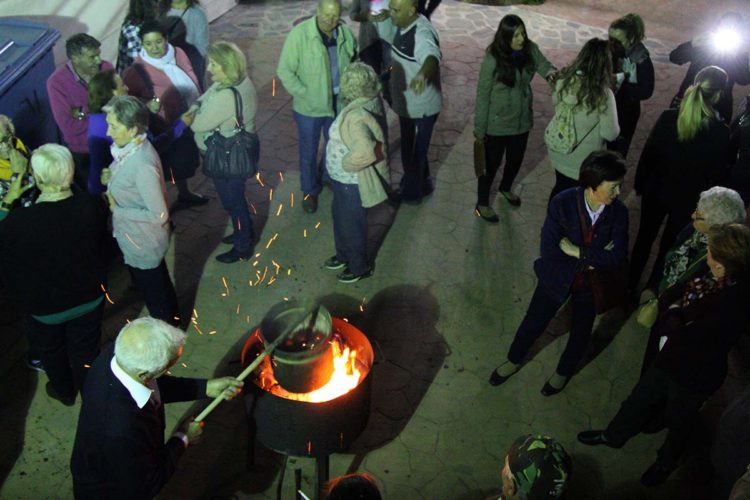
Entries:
{"x":494,"y":147}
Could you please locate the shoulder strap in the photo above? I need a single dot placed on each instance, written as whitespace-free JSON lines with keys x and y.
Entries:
{"x":239,"y":119}
{"x":145,"y":77}
{"x":174,"y":25}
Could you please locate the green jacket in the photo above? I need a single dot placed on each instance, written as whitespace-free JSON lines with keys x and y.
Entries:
{"x":304,"y":67}
{"x":502,"y":110}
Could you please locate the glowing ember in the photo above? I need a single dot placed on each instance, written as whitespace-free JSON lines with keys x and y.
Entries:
{"x":347,"y":372}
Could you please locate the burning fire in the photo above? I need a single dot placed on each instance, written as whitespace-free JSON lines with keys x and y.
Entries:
{"x":346,"y":376}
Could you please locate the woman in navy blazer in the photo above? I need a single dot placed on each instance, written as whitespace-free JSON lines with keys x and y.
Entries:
{"x":568,"y":252}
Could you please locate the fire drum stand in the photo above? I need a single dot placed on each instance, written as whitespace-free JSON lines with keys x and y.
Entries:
{"x":268,"y":350}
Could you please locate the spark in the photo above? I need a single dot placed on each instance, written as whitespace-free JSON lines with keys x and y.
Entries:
{"x":131,"y":241}
{"x":197,"y":328}
{"x":86,"y":365}
{"x":292,"y":200}
{"x":281,"y":176}
{"x":263,"y":278}
{"x":278,"y":212}
{"x":106,"y":296}
{"x":346,"y":319}
{"x":255,"y":263}
{"x":273,"y":87}
{"x":260,"y":181}
{"x":289,"y":272}
{"x":183,"y":365}
{"x":195,"y":313}
{"x":257,"y":254}
{"x":304,"y":233}
{"x":171,"y":173}
{"x":239,"y":224}
{"x":226,"y":287}
{"x":101,"y":285}
{"x":276,"y":265}
{"x":161,"y":215}
{"x":255,"y":212}
{"x":273,"y":278}
{"x":309,"y":447}
{"x":306,"y":197}
{"x":270,"y":194}
{"x":362,"y":304}
{"x":273,"y":238}
{"x":247,"y":318}
{"x":286,"y":299}
{"x":317,"y":225}
{"x":212,"y":332}
{"x":238,"y":309}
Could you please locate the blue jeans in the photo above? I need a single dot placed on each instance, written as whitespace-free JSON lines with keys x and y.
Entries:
{"x":310,"y":169}
{"x":415,"y":141}
{"x":158,"y":292}
{"x":67,"y":348}
{"x":232,"y":195}
{"x":350,"y":227}
{"x":542,"y":309}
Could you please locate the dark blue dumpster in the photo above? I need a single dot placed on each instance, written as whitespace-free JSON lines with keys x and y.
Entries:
{"x":26,"y":61}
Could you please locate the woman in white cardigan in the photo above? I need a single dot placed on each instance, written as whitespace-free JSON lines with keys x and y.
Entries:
{"x":586,"y":87}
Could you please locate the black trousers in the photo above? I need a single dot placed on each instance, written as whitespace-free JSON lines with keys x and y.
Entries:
{"x":514,"y":149}
{"x":425,"y":9}
{"x":562,"y":182}
{"x":416,"y":134}
{"x":653,"y":213}
{"x":81,"y":171}
{"x":68,"y":349}
{"x":158,"y":292}
{"x":542,"y":309}
{"x":653,"y":389}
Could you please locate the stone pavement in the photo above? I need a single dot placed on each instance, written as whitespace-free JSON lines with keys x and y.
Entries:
{"x":447,"y":294}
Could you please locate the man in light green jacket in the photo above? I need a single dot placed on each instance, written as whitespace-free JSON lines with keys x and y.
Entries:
{"x":315,"y":55}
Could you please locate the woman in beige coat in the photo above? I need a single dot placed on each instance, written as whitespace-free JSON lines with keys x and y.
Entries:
{"x":357,"y":165}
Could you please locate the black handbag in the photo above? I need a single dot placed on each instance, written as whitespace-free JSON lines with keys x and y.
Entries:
{"x":235,"y":156}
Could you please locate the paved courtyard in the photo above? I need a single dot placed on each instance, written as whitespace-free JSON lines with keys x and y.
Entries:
{"x":448,"y":292}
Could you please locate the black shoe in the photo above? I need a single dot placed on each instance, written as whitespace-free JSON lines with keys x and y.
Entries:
{"x":310,"y":203}
{"x":349,"y":277}
{"x":228,"y":240}
{"x":497,"y":379}
{"x":512,"y":198}
{"x":548,"y":390}
{"x":486,"y":213}
{"x":66,"y":400}
{"x":333,"y":263}
{"x":191,"y":200}
{"x":34,"y":364}
{"x":594,"y":438}
{"x":655,"y":475}
{"x":233,"y":256}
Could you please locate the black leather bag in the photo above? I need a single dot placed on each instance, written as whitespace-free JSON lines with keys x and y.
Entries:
{"x":232,"y":157}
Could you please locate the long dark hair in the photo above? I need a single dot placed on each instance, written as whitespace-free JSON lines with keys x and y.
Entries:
{"x":589,"y":75}
{"x":505,"y":71}
{"x":140,"y":11}
{"x":101,"y":88}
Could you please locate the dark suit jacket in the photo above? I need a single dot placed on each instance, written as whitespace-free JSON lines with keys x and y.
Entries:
{"x":700,"y":335}
{"x":556,"y":270}
{"x":119,"y":450}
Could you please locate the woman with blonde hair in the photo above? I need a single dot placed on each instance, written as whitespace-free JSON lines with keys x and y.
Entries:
{"x":357,"y":165}
{"x":685,"y":154}
{"x":216,"y":112}
{"x":583,"y":90}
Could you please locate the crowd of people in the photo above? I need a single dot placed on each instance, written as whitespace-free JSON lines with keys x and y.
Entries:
{"x":133,"y":128}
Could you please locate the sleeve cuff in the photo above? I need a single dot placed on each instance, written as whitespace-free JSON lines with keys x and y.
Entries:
{"x":183,"y":437}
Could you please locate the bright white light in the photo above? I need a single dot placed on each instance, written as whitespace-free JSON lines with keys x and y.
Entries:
{"x":726,"y":40}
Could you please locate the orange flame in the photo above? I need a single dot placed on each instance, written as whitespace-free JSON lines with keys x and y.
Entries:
{"x":346,"y":376}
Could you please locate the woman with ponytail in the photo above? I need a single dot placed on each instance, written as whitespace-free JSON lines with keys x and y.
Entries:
{"x":686,"y":153}
{"x":634,"y":73}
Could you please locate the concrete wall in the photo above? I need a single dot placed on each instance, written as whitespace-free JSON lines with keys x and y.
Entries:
{"x":99,"y":18}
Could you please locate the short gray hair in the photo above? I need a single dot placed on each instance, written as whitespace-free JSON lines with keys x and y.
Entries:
{"x":53,"y":166}
{"x":148,"y":344}
{"x":359,"y":80}
{"x":129,"y":111}
{"x":721,"y":205}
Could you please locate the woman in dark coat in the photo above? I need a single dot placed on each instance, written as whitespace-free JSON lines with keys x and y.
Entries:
{"x":685,"y":154}
{"x":635,"y":76}
{"x":699,"y":322}
{"x":569,"y":252}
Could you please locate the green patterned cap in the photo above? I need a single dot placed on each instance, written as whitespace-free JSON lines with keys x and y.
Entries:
{"x":540,"y":466}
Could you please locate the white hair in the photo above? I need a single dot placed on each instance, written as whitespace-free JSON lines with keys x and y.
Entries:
{"x":721,"y":205}
{"x":53,"y":166}
{"x":148,"y":344}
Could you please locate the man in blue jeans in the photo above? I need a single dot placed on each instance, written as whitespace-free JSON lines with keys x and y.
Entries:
{"x":315,"y":54}
{"x":415,"y":93}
